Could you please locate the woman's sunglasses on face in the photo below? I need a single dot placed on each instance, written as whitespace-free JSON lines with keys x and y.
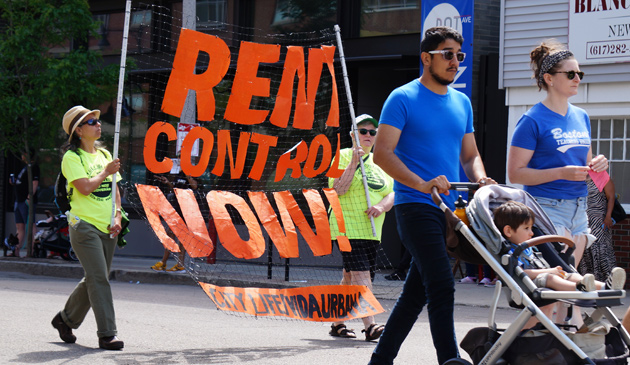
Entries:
{"x":90,"y":122}
{"x":364,"y":131}
{"x":571,"y":74}
{"x":448,"y":55}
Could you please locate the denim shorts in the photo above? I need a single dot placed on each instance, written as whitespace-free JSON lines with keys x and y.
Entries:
{"x":21,"y":212}
{"x":566,"y":214}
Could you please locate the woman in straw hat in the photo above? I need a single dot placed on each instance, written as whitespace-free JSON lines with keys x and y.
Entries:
{"x":88,"y":167}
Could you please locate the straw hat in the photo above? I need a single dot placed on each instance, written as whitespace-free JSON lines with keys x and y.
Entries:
{"x":75,"y":116}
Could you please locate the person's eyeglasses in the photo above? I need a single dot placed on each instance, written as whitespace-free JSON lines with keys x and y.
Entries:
{"x":90,"y":122}
{"x":571,"y":74}
{"x":364,"y":131}
{"x":448,"y":55}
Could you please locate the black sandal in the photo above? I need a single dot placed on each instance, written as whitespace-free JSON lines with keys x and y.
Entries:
{"x":341,"y":330}
{"x":373,"y":332}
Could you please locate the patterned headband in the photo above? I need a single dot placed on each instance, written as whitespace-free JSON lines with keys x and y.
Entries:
{"x":551,"y":61}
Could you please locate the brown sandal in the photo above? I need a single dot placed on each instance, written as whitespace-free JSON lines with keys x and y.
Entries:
{"x":373,"y":332}
{"x":341,"y":330}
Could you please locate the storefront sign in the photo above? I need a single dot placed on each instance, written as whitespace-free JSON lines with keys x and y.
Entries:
{"x":599,"y":31}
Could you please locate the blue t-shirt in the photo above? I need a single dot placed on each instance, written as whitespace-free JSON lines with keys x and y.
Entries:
{"x":432,"y":127}
{"x":556,"y":141}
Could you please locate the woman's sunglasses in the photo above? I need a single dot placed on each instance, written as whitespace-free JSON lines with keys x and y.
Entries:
{"x":90,"y":122}
{"x":448,"y":55}
{"x":571,"y":74}
{"x":364,"y":131}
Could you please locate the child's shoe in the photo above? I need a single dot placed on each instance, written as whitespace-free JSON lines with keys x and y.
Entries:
{"x":617,"y":279}
{"x":586,"y":284}
{"x":159,"y":266}
{"x":468,"y":280}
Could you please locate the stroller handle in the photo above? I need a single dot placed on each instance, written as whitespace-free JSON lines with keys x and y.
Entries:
{"x":540,"y":240}
{"x":550,"y":238}
{"x":459,"y":186}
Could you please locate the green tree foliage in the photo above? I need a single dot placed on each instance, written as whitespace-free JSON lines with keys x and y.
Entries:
{"x":306,"y":15}
{"x":46,"y":67}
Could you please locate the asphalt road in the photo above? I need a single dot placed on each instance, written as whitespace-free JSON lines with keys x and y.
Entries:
{"x":178,"y":324}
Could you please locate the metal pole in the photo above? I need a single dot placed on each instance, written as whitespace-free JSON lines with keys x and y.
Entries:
{"x":355,"y":132}
{"x":121,"y":81}
{"x":269,"y":259}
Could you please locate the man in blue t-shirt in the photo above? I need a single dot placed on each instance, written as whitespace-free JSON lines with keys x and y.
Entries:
{"x":425,"y":132}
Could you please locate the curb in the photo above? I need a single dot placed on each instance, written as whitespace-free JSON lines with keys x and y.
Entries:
{"x":73,"y":270}
{"x":466,"y":296}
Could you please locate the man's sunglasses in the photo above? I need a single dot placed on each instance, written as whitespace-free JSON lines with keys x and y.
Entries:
{"x":90,"y":122}
{"x":364,"y":131}
{"x":571,"y":74}
{"x":448,"y":55}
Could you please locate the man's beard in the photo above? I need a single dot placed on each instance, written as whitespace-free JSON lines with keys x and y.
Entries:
{"x":439,"y":79}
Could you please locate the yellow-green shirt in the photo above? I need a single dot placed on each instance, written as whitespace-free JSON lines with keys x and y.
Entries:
{"x":354,"y":203}
{"x":95,"y":208}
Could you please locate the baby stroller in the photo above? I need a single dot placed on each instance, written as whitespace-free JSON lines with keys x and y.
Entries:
{"x":53,"y":236}
{"x":489,"y":345}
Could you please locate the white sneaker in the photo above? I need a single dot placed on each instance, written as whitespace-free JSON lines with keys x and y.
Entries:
{"x":587,"y":283}
{"x":485,"y":281}
{"x":617,"y":279}
{"x":468,"y":280}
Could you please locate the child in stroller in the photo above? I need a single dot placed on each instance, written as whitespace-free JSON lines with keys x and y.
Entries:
{"x":515,"y":221}
{"x":491,"y":345}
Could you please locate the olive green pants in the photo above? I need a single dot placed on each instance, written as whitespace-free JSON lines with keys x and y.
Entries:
{"x":95,"y":251}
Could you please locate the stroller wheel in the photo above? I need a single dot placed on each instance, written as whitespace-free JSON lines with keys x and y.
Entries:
{"x":457,"y":361}
{"x":72,"y":255}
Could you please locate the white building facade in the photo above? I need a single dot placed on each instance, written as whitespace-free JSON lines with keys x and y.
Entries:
{"x":598,"y":33}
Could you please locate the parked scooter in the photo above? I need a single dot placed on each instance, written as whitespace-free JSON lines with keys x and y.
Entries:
{"x":53,"y":236}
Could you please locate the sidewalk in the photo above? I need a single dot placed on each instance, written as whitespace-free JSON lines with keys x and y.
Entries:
{"x":138,"y":270}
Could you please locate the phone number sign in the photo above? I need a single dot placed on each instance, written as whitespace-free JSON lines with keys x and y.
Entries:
{"x":599,"y":31}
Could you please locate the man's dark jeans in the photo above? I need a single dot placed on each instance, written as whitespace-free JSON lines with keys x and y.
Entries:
{"x":422,"y":229}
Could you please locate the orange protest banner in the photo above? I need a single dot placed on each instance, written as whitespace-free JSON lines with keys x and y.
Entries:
{"x":247,"y":84}
{"x":187,"y":147}
{"x":150,"y":147}
{"x":264,"y":143}
{"x":194,"y":235}
{"x":293,"y":66}
{"x":197,"y":242}
{"x":224,"y":146}
{"x":334,"y":170}
{"x":226,"y":230}
{"x":317,"y":57}
{"x":285,"y":162}
{"x":285,"y":241}
{"x":184,"y":76}
{"x":310,"y":170}
{"x":325,"y":303}
{"x":319,"y":239}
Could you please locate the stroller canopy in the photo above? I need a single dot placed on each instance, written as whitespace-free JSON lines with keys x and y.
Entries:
{"x":489,"y":197}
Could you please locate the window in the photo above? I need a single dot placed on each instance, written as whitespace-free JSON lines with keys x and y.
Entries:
{"x":385,"y":17}
{"x":611,"y":138}
{"x":304,"y":16}
{"x":386,"y":5}
{"x":211,"y":14}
